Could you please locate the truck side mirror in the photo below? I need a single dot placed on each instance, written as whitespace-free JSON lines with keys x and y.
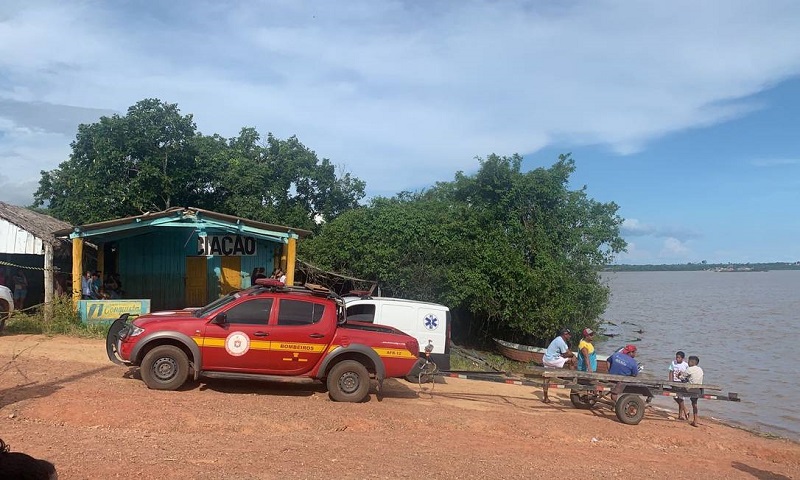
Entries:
{"x":220,"y":319}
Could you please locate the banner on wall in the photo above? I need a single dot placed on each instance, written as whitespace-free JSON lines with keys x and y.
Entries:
{"x":92,"y":311}
{"x":226,"y":246}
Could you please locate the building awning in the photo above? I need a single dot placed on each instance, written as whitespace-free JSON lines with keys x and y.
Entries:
{"x":202,"y":221}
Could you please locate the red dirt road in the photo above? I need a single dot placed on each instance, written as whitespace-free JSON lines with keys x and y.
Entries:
{"x":62,"y":400}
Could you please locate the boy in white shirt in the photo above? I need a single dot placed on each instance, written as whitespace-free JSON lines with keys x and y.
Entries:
{"x":694,"y":376}
{"x":677,"y":370}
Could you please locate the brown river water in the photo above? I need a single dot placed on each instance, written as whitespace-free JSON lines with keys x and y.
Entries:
{"x":744,"y":327}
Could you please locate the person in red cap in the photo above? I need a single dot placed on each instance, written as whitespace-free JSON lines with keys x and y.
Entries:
{"x":623,"y":362}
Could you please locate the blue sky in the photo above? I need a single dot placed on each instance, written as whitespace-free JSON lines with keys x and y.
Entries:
{"x":683,"y":113}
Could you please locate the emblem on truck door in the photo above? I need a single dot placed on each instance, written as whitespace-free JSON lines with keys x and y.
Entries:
{"x":431,"y":322}
{"x":237,"y":344}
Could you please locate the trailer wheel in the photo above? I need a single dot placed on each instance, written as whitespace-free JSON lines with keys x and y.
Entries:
{"x":629,"y":408}
{"x":584,"y":401}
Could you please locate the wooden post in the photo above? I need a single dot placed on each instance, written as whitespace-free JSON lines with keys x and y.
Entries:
{"x":77,"y":270}
{"x":101,"y":259}
{"x":291,"y":254}
{"x":48,"y":282}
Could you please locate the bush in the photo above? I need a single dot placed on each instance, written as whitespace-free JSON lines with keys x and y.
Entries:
{"x":65,"y":322}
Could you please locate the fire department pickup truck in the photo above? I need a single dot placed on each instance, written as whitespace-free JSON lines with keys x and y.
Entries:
{"x":267,"y":332}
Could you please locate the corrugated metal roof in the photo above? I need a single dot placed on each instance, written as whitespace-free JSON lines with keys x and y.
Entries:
{"x":181,"y":213}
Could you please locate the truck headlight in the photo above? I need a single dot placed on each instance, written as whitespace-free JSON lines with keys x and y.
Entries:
{"x":135,"y":331}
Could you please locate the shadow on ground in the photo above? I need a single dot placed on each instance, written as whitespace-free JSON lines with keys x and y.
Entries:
{"x":758,"y":473}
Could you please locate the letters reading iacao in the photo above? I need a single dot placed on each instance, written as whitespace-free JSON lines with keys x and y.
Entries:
{"x":226,"y":245}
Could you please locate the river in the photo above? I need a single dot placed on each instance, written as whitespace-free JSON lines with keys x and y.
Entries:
{"x":742,"y":325}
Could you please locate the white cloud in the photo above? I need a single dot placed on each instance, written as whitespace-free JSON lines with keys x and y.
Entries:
{"x":403,"y":93}
{"x":632,"y":227}
{"x":674,"y":249}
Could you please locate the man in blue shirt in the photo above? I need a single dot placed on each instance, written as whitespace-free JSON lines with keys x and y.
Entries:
{"x":557,"y":355}
{"x":623,"y":362}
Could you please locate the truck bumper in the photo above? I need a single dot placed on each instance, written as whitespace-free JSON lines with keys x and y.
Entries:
{"x":114,"y":340}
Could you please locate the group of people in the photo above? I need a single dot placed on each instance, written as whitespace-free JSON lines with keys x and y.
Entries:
{"x":621,"y":362}
{"x":260,"y":272}
{"x":93,"y":288}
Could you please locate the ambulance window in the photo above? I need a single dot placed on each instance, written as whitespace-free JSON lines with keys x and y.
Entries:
{"x":298,"y":312}
{"x":251,"y":312}
{"x":361,"y":313}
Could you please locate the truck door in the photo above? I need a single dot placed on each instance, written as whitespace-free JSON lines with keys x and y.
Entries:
{"x":302,"y":332}
{"x":242,"y":343}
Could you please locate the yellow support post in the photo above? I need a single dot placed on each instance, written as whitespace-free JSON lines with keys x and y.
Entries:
{"x":77,"y":270}
{"x":291,"y":254}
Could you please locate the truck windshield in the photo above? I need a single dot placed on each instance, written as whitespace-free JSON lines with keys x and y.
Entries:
{"x":202,"y":312}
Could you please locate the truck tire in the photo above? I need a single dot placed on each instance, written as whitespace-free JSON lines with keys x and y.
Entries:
{"x":165,"y":367}
{"x":629,"y":408}
{"x":348,"y":381}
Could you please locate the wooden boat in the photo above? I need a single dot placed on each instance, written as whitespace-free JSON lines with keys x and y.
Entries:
{"x":528,"y":354}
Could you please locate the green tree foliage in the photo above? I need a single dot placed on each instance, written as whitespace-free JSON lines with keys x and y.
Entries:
{"x":154,"y":158}
{"x":517,"y":253}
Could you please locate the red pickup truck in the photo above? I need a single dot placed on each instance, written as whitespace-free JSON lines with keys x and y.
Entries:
{"x":267,"y":332}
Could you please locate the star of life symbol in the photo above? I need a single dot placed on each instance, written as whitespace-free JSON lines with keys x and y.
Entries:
{"x":431,"y":322}
{"x":237,"y":344}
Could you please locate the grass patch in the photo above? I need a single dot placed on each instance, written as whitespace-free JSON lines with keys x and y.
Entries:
{"x":497,"y":362}
{"x":65,"y":321}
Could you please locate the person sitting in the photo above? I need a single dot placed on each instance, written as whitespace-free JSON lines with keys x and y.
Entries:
{"x":623,"y":362}
{"x":557,"y":355}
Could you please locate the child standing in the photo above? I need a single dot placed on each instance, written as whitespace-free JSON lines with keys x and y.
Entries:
{"x":677,"y":372}
{"x":694,"y":376}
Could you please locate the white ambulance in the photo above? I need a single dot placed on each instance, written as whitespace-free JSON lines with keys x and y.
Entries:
{"x":429,"y":323}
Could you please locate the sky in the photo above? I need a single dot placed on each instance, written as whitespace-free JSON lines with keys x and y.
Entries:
{"x":683,"y":113}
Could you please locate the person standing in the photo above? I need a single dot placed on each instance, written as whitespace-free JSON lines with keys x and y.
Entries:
{"x":677,"y":373}
{"x":20,"y":289}
{"x":587,"y":358}
{"x":557,"y":355}
{"x":694,"y":376}
{"x":86,"y":286}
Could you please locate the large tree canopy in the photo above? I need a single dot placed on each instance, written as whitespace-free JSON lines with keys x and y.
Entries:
{"x":517,"y":253}
{"x":154,"y":158}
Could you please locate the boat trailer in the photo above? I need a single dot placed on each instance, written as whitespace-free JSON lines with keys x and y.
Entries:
{"x":629,"y":396}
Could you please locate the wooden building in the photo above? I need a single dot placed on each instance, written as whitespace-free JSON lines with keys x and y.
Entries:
{"x":183,"y":257}
{"x":27,"y":243}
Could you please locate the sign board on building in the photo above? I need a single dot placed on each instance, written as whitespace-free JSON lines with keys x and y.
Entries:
{"x":226,"y":246}
{"x":93,"y":311}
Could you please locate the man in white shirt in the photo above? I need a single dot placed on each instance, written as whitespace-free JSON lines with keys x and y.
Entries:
{"x":557,"y":355}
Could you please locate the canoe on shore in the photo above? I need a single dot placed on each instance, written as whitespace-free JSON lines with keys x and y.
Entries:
{"x":528,"y":354}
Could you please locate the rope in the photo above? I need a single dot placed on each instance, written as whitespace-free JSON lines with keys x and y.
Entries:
{"x":9,"y":264}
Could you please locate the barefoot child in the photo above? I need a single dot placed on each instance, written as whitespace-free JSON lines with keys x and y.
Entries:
{"x":694,"y":375}
{"x":677,"y":373}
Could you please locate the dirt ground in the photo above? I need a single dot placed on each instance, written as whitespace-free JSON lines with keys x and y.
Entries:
{"x":62,"y":400}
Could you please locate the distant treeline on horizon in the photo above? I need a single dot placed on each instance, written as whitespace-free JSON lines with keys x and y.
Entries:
{"x":721,"y":267}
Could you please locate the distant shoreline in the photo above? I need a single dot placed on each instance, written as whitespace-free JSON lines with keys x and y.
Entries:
{"x":699,"y":267}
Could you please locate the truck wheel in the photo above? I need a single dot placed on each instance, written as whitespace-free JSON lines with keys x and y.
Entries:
{"x":165,"y":368}
{"x":582,"y":401}
{"x":629,"y":408}
{"x":348,"y":381}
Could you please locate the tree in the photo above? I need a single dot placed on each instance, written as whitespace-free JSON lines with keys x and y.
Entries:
{"x":518,"y":254}
{"x":123,"y":165}
{"x":153,"y":158}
